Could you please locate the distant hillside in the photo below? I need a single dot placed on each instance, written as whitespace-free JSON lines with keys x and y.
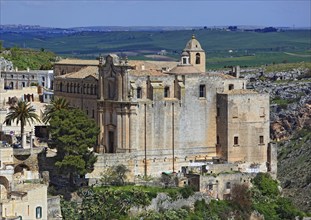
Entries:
{"x":223,"y":48}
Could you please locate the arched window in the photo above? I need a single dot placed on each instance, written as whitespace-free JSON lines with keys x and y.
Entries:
{"x":38,"y":212}
{"x":197,"y":58}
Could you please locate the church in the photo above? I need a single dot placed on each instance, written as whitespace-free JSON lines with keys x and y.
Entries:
{"x":157,"y":116}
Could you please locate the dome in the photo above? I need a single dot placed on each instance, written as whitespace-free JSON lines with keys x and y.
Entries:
{"x":184,"y":54}
{"x":193,"y":45}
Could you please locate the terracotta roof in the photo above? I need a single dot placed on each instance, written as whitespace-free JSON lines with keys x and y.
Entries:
{"x":222,"y":75}
{"x":78,"y":62}
{"x":83,"y":73}
{"x":183,"y":70}
{"x":144,"y":68}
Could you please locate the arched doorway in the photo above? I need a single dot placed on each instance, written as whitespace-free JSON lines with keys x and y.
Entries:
{"x":20,"y":168}
{"x":4,"y":187}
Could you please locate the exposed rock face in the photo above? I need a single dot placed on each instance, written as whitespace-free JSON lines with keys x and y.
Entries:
{"x":290,"y":101}
{"x":290,"y":116}
{"x":294,"y":162}
{"x":5,"y":64}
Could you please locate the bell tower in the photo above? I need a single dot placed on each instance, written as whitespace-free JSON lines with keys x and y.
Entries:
{"x":196,"y":54}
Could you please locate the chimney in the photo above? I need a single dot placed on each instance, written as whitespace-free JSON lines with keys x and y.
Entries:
{"x":16,"y":69}
{"x":28,"y":69}
{"x":237,"y":71}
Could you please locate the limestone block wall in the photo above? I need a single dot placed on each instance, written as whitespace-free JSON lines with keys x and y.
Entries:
{"x":26,"y":207}
{"x":85,"y":102}
{"x":6,"y":155}
{"x":220,"y":186}
{"x":27,"y":161}
{"x":54,"y":209}
{"x":243,"y":126}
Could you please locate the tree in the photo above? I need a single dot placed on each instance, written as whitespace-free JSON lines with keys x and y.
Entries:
{"x":73,"y":134}
{"x":115,"y":175}
{"x":56,"y":105}
{"x":241,"y":196}
{"x":23,"y":113}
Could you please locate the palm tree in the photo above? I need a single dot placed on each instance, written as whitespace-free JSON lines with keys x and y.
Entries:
{"x":24,"y":113}
{"x":56,"y":104}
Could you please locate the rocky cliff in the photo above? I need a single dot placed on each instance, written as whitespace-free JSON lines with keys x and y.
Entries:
{"x":290,"y":115}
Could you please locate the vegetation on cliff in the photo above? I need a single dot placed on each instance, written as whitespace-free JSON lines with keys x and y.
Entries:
{"x":294,"y":168}
{"x":29,"y":58}
{"x":131,"y":202}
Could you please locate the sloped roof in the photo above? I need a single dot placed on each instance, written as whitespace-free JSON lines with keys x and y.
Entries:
{"x":78,"y":62}
{"x":184,"y":70}
{"x":83,"y":73}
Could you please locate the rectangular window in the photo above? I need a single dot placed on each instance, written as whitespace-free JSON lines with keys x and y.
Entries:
{"x":236,"y":140}
{"x":218,"y":111}
{"x":202,"y":91}
{"x":231,"y":86}
{"x":166,"y":92}
{"x":261,"y":139}
{"x":139,"y":93}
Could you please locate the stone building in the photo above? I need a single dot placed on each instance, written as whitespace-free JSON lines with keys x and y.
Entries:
{"x":18,"y":199}
{"x":14,"y":79}
{"x":162,"y":116}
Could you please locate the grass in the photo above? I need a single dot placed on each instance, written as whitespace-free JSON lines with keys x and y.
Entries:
{"x":248,"y":48}
{"x":288,"y":66}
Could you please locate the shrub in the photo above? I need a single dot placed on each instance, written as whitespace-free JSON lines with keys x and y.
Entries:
{"x":187,"y":191}
{"x":265,"y":183}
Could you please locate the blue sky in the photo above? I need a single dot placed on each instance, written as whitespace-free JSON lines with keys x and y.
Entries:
{"x":77,"y":13}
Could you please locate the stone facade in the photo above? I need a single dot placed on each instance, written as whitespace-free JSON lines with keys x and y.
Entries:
{"x":29,"y":202}
{"x":18,"y":198}
{"x":156,"y":117}
{"x":20,"y":79}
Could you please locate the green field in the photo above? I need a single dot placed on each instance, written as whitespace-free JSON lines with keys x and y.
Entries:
{"x":246,"y":48}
